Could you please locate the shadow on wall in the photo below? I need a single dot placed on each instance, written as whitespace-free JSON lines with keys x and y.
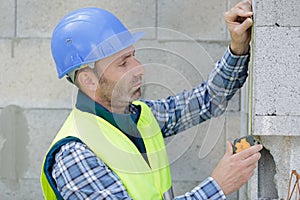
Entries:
{"x":266,"y":172}
{"x":13,"y":141}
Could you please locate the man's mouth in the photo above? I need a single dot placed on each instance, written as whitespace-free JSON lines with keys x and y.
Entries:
{"x":138,"y":84}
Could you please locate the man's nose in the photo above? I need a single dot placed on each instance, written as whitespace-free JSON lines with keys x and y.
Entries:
{"x":139,"y":69}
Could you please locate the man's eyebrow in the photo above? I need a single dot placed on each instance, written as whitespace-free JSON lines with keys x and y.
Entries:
{"x":126,"y":55}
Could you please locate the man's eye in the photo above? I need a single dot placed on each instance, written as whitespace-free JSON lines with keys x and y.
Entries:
{"x":123,"y":63}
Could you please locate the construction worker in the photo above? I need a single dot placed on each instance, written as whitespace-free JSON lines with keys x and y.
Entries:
{"x":111,"y":145}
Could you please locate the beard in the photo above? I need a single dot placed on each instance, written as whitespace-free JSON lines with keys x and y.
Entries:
{"x":118,"y":93}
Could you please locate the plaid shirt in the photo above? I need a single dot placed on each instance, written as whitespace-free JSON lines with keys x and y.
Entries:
{"x":80,"y":174}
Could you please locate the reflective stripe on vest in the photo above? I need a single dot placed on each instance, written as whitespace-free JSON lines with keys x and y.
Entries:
{"x":142,"y":181}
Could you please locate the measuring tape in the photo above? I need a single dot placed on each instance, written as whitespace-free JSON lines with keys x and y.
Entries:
{"x":250,"y":131}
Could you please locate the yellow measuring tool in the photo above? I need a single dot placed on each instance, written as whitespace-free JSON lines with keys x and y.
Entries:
{"x":250,"y":131}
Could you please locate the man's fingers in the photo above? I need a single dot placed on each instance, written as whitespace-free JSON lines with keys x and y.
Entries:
{"x":252,"y":160}
{"x":246,"y":24}
{"x":243,"y":9}
{"x":245,"y":5}
{"x":229,"y":149}
{"x":242,"y":13}
{"x":237,"y":15}
{"x":250,"y":151}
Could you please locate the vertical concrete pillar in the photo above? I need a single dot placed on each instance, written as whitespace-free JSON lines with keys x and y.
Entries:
{"x":276,"y":93}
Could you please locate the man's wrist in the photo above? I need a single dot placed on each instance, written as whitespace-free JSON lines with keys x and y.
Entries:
{"x":239,"y":50}
{"x":217,"y":188}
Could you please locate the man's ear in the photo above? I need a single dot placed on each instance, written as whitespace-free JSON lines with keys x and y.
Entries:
{"x":87,"y":80}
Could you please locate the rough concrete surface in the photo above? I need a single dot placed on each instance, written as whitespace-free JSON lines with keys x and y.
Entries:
{"x":182,"y":65}
{"x":27,"y":189}
{"x":174,"y":14}
{"x":276,"y":92}
{"x":6,"y":51}
{"x":194,"y":149}
{"x":190,"y":58}
{"x":276,"y":83}
{"x":25,"y":136}
{"x":7,"y":16}
{"x":43,"y":125}
{"x":37,"y":19}
{"x":295,"y":161}
{"x":273,"y":125}
{"x":277,"y":13}
{"x":33,"y":81}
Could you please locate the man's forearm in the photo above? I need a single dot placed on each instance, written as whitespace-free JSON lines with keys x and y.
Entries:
{"x":228,"y":76}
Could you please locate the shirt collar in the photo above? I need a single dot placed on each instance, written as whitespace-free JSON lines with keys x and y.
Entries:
{"x":86,"y":104}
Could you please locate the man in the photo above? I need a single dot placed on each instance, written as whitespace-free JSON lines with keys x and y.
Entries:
{"x":111,"y":145}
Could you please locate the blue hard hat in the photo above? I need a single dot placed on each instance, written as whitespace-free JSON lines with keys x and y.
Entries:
{"x":87,"y":35}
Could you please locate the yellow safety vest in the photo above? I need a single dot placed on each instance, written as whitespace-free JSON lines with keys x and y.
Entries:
{"x":142,"y":181}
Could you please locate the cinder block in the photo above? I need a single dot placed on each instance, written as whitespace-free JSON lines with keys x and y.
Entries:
{"x":30,"y":79}
{"x":295,"y":152}
{"x":2,"y":139}
{"x":277,"y":13}
{"x":172,"y":66}
{"x":6,"y":60}
{"x":43,"y":126}
{"x":233,"y":126}
{"x":7,"y":16}
{"x":215,"y":49}
{"x":38,"y":20}
{"x":24,"y":189}
{"x":201,"y":20}
{"x":276,"y":125}
{"x":276,"y":88}
{"x":234,"y":103}
{"x":6,"y":50}
{"x":194,"y":154}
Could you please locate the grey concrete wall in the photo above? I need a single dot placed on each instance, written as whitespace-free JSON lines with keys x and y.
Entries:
{"x":191,"y":36}
{"x":276,"y":90}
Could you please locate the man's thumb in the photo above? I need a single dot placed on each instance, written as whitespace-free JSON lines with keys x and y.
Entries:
{"x":247,"y":24}
{"x":229,"y":149}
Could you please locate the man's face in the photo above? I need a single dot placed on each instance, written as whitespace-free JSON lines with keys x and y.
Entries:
{"x":120,"y":78}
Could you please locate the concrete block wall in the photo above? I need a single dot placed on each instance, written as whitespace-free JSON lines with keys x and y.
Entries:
{"x":183,"y":39}
{"x":276,"y":91}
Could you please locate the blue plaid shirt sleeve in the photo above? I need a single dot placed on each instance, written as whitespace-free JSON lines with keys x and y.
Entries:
{"x":209,"y":99}
{"x":208,"y":189}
